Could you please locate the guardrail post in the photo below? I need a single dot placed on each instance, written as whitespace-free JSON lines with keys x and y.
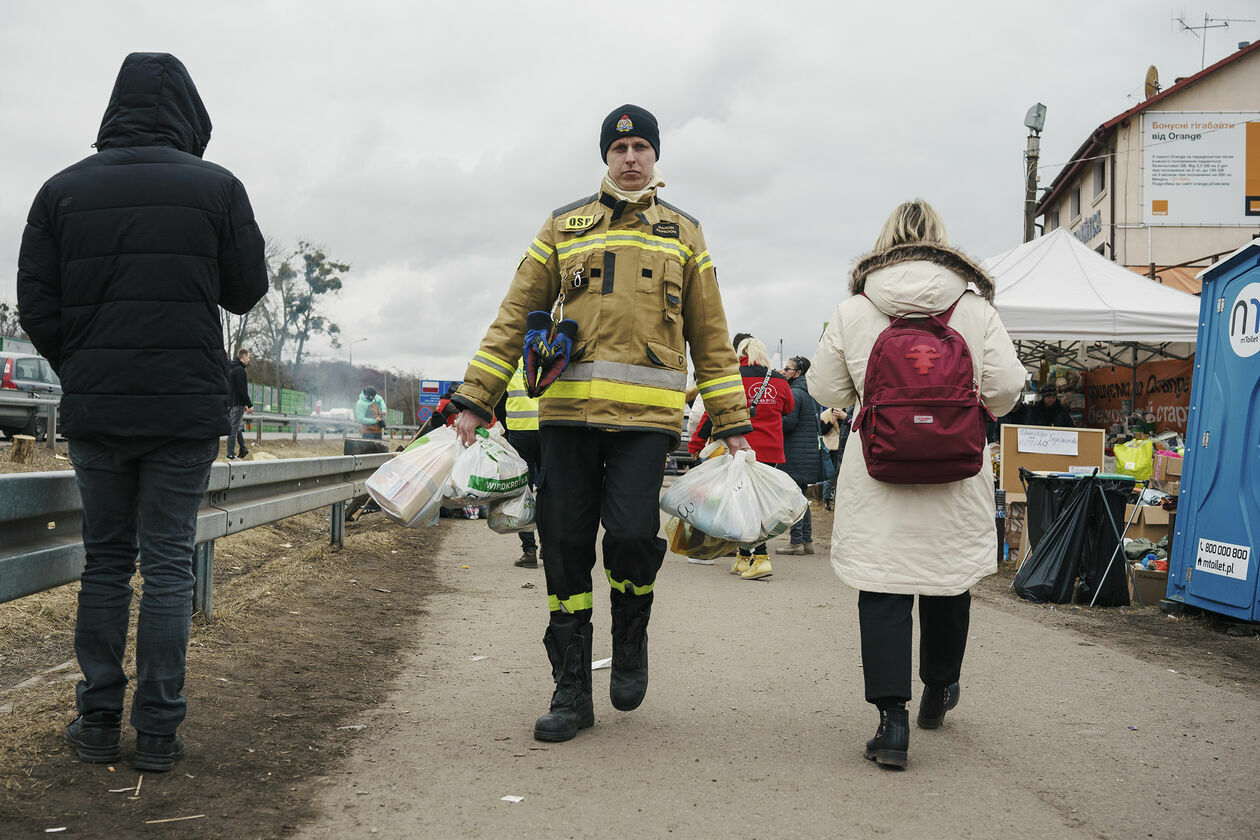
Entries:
{"x":296,"y":424}
{"x":258,"y":430}
{"x":52,"y":427}
{"x":337,"y":535}
{"x":203,"y":584}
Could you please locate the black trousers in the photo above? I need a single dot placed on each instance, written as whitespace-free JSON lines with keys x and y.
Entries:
{"x":886,"y":640}
{"x":589,"y":477}
{"x":526,"y":444}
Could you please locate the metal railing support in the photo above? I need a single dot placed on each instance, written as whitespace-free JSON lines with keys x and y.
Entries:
{"x":203,"y":583}
{"x":51,"y":438}
{"x":337,"y":525}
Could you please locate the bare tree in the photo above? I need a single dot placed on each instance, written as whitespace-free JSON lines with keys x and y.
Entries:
{"x":239,"y":330}
{"x":10,"y":326}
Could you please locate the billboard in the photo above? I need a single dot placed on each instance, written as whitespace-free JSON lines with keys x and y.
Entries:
{"x":1201,"y":168}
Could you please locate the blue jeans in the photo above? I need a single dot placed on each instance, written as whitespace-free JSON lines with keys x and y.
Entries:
{"x":236,"y":437}
{"x":139,"y":496}
{"x":803,"y":531}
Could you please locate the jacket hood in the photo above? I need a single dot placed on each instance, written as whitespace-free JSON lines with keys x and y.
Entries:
{"x":917,"y":277}
{"x":155,"y":103}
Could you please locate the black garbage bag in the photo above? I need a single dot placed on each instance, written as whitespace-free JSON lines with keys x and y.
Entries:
{"x":1102,"y":527}
{"x":1044,"y":498}
{"x":1049,"y":573}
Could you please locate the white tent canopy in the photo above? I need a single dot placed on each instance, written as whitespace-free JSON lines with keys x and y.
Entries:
{"x":1056,"y":289}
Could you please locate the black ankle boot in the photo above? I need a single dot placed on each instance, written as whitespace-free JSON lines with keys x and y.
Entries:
{"x":627,"y":685}
{"x":935,"y":702}
{"x":569,"y":648}
{"x":892,"y":739}
{"x":97,"y":743}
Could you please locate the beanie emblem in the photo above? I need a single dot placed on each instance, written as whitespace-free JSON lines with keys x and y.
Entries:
{"x":624,"y":123}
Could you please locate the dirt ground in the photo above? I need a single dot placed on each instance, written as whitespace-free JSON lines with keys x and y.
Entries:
{"x":306,"y":644}
{"x":294,"y":617}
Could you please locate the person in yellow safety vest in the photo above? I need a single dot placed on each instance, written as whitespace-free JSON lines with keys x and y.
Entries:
{"x":521,"y":420}
{"x":635,"y":275}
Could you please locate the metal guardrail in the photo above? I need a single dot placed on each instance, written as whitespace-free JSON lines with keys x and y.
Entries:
{"x":347,"y":425}
{"x":41,"y":516}
{"x":49,"y":405}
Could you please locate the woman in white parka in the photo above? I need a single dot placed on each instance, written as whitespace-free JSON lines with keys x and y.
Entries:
{"x":892,"y":542}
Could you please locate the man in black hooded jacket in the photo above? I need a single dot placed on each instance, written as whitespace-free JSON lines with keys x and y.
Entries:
{"x":125,"y":259}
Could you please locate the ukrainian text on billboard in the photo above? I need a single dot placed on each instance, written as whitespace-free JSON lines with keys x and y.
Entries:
{"x":1201,"y":168}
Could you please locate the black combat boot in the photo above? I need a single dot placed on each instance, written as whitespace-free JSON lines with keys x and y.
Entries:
{"x":629,"y":680}
{"x":568,"y":643}
{"x":935,"y":702}
{"x":96,"y":742}
{"x":892,"y":739}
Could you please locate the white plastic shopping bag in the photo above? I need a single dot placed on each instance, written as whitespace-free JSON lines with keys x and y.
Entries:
{"x":490,"y":469}
{"x":736,"y":499}
{"x":515,"y":514}
{"x":409,"y":487}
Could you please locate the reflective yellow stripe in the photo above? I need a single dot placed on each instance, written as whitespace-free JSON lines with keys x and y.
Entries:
{"x":721,"y":380}
{"x":622,"y":585}
{"x":581,"y":601}
{"x":704,"y":261}
{"x":495,"y":371}
{"x":494,"y":361}
{"x":540,"y":251}
{"x":615,"y":392}
{"x":629,"y":240}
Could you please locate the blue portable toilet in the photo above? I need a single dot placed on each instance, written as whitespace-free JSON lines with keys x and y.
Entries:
{"x":1214,"y":559}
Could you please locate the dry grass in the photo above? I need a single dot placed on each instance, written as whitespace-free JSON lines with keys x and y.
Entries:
{"x":254,"y":570}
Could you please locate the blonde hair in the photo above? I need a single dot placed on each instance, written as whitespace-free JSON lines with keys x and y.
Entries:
{"x":913,"y":221}
{"x":755,"y":351}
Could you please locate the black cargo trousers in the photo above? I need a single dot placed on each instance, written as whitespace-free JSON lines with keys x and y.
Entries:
{"x":590,"y":476}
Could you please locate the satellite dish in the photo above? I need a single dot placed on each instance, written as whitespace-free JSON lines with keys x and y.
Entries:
{"x":1152,"y":81}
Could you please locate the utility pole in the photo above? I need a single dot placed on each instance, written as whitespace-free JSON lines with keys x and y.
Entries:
{"x":1035,"y":120}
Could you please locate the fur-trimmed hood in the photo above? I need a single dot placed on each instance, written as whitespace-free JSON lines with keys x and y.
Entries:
{"x":967,"y":269}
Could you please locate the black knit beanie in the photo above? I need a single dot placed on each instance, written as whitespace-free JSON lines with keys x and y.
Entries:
{"x":629,"y":121}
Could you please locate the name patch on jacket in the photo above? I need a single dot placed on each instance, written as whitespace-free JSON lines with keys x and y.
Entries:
{"x":668,"y":229}
{"x":577,"y":224}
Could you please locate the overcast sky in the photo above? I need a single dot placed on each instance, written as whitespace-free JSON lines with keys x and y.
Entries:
{"x":424,"y":143}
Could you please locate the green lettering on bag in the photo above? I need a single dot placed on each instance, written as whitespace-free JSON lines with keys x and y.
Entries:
{"x":496,"y":485}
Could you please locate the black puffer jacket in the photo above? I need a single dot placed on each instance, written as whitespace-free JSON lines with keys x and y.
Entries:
{"x":238,"y":385}
{"x":800,"y":437}
{"x":127,"y":256}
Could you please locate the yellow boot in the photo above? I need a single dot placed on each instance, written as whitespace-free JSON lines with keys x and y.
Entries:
{"x":760,"y":568}
{"x":740,"y":566}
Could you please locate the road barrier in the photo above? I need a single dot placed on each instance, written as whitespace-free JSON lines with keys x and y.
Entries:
{"x":41,"y":516}
{"x":344,"y":425}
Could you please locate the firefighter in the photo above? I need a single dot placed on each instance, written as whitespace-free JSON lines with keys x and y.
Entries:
{"x":520,"y":416}
{"x":635,"y":276}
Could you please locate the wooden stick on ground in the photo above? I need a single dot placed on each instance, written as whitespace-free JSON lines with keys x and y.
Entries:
{"x":175,"y":819}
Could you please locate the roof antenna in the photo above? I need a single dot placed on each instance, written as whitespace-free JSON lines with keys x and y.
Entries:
{"x":1208,"y":23}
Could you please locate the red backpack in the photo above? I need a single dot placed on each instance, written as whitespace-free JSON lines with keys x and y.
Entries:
{"x":921,"y":420}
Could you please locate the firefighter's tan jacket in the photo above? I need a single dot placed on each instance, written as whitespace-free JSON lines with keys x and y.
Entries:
{"x":639,"y":282}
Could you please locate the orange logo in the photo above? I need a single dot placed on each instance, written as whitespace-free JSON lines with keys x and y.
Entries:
{"x":923,"y":355}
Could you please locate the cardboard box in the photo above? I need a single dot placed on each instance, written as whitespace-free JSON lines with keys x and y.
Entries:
{"x":1152,"y":586}
{"x":1152,"y":522}
{"x":1174,"y":467}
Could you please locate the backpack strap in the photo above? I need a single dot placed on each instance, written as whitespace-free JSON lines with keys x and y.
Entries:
{"x":752,"y":408}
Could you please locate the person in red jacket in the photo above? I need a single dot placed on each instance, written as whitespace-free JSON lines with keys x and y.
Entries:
{"x":769,"y":398}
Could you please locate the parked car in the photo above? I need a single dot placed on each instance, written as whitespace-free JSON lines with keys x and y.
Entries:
{"x":25,"y":374}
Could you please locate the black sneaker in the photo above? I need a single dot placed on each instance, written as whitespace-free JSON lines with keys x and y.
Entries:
{"x":158,"y":753}
{"x":96,"y":744}
{"x":244,"y":452}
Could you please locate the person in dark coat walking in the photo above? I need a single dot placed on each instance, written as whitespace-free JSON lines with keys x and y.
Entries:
{"x":240,"y":404}
{"x":125,"y":260}
{"x":802,"y":459}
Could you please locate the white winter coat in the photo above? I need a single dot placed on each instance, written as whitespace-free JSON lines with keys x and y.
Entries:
{"x":925,"y":539}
